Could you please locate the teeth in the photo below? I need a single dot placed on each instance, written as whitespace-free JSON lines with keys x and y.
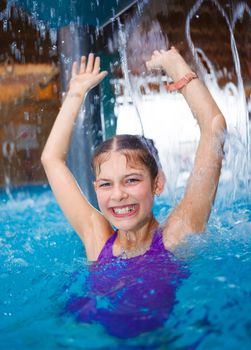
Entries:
{"x":124,"y":210}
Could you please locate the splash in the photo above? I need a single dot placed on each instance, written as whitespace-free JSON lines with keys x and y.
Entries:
{"x":231,"y":100}
{"x":134,"y":96}
{"x":146,"y":100}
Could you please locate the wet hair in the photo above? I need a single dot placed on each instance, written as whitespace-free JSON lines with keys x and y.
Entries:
{"x":136,"y":149}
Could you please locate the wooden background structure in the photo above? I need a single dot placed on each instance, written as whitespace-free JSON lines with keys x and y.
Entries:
{"x":29,"y":97}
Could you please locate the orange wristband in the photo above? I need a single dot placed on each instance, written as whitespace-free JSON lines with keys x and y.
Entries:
{"x":182,"y":82}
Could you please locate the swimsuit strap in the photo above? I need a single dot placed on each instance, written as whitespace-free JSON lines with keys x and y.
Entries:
{"x":156,"y":245}
{"x":157,"y":240}
{"x":106,"y":252}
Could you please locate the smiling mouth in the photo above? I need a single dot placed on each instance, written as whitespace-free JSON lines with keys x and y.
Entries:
{"x":127,"y":210}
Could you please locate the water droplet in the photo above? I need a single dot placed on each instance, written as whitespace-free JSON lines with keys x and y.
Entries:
{"x":52,"y":12}
{"x":221,"y":278}
{"x":26,"y":116}
{"x":5,"y":25}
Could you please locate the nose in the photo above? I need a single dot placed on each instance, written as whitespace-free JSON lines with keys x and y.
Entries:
{"x":118,"y":193}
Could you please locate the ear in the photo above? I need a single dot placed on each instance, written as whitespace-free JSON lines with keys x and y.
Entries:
{"x":159,"y":183}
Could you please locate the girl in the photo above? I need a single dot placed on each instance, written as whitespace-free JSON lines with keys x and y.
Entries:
{"x":134,"y":272}
{"x":127,"y":173}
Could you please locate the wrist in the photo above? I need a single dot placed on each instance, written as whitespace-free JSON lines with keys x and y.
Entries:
{"x":179,"y":72}
{"x":179,"y":84}
{"x":76,"y":93}
{"x":177,"y":68}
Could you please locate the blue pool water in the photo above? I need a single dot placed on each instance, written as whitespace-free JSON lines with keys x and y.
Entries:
{"x":40,"y":255}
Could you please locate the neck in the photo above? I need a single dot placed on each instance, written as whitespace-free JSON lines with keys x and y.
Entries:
{"x":135,"y":240}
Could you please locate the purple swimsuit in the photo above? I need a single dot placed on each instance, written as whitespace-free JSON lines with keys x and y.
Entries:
{"x":137,"y":294}
{"x":156,"y":246}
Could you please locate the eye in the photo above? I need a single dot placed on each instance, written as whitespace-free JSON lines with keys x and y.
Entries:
{"x":104,"y":184}
{"x":132,"y":180}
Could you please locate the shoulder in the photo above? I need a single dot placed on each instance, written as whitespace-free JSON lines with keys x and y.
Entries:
{"x":178,"y":226}
{"x":95,"y":241}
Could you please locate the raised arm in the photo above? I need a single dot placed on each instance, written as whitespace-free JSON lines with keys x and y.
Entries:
{"x":89,"y":223}
{"x":192,"y":213}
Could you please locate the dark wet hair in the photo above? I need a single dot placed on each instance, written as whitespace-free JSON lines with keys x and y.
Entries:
{"x":136,"y":148}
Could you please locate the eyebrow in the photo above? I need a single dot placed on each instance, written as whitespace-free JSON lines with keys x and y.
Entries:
{"x":134,"y":174}
{"x":127,"y":175}
{"x":105,"y":180}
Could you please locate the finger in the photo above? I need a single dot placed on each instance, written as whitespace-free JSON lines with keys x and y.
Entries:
{"x":82,"y":65}
{"x":102,"y":75}
{"x":89,"y":66}
{"x":98,"y":78}
{"x":149,"y":65}
{"x":96,"y":65}
{"x":74,"y":69}
{"x":154,"y":56}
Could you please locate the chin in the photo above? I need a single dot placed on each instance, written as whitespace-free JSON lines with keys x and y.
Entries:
{"x":128,"y":226}
{"x":124,"y":225}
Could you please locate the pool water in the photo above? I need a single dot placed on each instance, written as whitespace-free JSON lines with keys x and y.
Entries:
{"x":40,"y":255}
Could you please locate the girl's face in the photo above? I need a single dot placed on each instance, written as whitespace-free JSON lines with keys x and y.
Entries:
{"x":125,"y":192}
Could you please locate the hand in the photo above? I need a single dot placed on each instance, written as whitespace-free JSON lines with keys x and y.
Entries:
{"x":169,"y":60}
{"x":89,"y":75}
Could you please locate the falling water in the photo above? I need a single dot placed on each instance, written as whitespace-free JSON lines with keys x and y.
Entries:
{"x":24,"y":82}
{"x":8,"y":150}
{"x":139,"y":40}
{"x":5,"y":14}
{"x":135,"y":46}
{"x":237,"y":158}
{"x":133,"y":93}
{"x":41,"y":254}
{"x":240,"y":9}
